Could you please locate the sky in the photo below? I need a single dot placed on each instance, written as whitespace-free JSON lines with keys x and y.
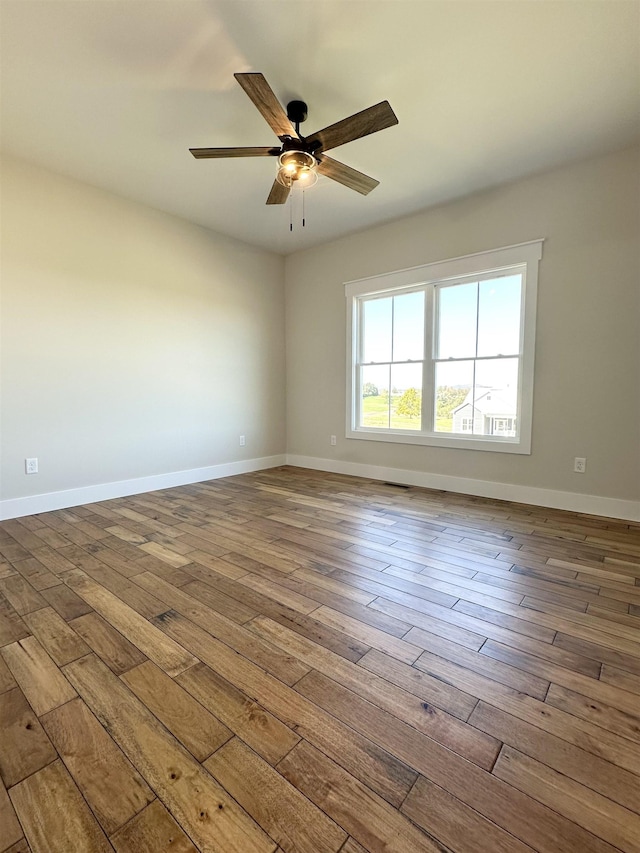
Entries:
{"x":476,"y":319}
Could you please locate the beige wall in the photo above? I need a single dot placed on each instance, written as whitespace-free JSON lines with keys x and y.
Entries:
{"x":587,"y":397}
{"x":133,"y":343}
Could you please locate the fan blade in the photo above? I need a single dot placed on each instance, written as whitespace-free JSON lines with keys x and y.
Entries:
{"x":279,"y":193}
{"x":270,"y":107}
{"x":361,"y":124}
{"x":351,"y":178}
{"x":204,"y":153}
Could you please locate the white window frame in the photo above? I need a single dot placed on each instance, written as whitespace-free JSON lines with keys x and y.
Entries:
{"x":525,"y":257}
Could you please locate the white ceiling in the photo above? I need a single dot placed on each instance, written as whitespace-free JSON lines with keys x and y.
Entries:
{"x":115,"y":92}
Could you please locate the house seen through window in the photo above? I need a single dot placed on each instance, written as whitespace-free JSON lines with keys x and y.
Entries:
{"x":444,"y":355}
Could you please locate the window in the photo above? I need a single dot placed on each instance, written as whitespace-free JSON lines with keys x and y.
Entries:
{"x":443,"y":354}
{"x":503,"y":426}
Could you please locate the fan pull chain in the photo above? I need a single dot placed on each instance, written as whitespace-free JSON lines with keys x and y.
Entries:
{"x":291,"y":195}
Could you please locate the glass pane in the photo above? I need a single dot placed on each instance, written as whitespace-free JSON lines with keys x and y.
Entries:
{"x":406,"y":396}
{"x":496,"y":397}
{"x":408,"y":327}
{"x":376,"y":329}
{"x":457,"y":319}
{"x":499,"y":316}
{"x":453,"y":397}
{"x":374,"y":402}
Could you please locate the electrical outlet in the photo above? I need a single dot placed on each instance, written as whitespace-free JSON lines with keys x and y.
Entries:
{"x":31,"y":466}
{"x":243,"y":441}
{"x":580,"y":464}
{"x":333,"y":440}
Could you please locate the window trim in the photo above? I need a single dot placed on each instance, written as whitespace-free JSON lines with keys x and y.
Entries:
{"x":526,"y":255}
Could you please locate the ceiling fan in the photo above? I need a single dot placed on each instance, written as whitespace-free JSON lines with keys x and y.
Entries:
{"x":301,"y":158}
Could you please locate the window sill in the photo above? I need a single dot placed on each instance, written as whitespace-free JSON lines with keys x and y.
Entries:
{"x":455,"y":442}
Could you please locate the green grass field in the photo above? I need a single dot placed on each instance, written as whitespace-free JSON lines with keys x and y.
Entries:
{"x":375,"y":413}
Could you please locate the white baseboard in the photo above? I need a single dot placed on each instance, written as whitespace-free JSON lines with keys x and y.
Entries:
{"x":18,"y":507}
{"x":573,"y":501}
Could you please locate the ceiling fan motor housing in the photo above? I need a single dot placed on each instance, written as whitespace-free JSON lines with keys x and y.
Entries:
{"x":295,"y":143}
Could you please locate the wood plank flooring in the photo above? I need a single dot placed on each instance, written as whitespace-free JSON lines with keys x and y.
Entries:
{"x":297,"y":662}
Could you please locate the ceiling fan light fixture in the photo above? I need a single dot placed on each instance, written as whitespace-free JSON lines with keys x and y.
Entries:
{"x":297,"y":166}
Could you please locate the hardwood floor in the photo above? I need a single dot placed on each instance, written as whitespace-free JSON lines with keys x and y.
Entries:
{"x":302,"y":662}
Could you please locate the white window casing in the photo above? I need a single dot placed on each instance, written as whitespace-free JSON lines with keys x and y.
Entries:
{"x":430,"y":279}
